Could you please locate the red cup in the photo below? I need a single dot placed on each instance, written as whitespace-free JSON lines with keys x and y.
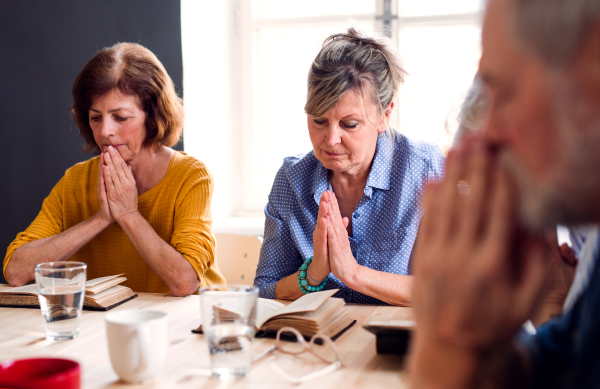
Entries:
{"x":47,"y":373}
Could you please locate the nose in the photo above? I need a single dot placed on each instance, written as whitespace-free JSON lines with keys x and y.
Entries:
{"x":333,"y":135}
{"x":106,"y":128}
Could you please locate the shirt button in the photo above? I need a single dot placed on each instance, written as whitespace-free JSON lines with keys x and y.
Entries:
{"x":356,"y":215}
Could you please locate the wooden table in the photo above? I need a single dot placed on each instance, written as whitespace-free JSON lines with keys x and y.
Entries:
{"x":187,"y":365}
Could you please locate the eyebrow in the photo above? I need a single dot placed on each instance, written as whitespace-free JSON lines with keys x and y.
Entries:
{"x":356,"y":117}
{"x":112,"y":110}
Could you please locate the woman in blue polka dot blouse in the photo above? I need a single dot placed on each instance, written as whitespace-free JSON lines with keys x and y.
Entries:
{"x":352,"y":203}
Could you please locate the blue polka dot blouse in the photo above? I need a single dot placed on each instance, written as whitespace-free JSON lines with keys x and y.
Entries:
{"x":384,"y":222}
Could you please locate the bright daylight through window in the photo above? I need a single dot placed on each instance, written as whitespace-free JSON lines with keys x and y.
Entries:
{"x":245,"y":80}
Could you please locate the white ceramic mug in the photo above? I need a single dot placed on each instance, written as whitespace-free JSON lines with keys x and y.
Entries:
{"x":137,"y":343}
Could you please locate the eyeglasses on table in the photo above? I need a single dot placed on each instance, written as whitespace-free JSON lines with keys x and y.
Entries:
{"x":319,"y":345}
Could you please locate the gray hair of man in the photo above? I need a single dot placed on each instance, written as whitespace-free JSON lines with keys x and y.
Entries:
{"x":354,"y":61}
{"x":473,"y":109}
{"x":554,"y":29}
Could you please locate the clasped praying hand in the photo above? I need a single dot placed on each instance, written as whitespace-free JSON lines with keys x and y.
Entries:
{"x":117,"y":191}
{"x":332,"y":252}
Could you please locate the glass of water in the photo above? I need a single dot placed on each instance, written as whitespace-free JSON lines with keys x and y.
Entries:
{"x":61,"y":290}
{"x":228,"y":323}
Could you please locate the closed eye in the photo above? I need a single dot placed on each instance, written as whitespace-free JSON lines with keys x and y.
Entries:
{"x":319,"y":122}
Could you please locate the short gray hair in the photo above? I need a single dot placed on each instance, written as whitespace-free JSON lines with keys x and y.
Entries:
{"x":554,"y":29}
{"x":349,"y":61}
{"x":473,"y":109}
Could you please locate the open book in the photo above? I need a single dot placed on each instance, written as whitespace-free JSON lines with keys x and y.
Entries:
{"x":101,"y":294}
{"x":311,"y":313}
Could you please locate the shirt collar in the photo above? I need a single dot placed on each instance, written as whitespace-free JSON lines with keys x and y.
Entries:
{"x":381,"y":170}
{"x":320,"y":182}
{"x":379,"y":176}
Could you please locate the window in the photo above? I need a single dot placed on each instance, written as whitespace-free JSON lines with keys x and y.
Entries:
{"x":245,"y":67}
{"x":440,"y":44}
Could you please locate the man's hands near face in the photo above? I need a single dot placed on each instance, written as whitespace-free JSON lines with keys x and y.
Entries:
{"x":562,"y":264}
{"x":477,"y":275}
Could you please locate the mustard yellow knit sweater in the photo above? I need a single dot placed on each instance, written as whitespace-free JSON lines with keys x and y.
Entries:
{"x":178,"y":208}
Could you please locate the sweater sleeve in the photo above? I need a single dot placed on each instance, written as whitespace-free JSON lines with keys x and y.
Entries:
{"x":192,"y":234}
{"x":49,"y":222}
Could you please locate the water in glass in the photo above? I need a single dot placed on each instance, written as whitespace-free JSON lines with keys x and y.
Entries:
{"x":61,"y":310}
{"x":230,"y":350}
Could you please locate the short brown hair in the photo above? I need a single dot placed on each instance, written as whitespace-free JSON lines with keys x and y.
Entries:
{"x":134,"y":70}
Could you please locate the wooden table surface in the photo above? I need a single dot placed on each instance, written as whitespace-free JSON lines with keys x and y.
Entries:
{"x":187,"y":364}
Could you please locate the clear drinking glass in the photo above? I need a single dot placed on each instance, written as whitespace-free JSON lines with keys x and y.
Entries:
{"x":228,"y":323}
{"x":61,"y":290}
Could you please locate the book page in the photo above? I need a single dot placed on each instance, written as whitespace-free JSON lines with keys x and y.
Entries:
{"x":33,"y":289}
{"x":307,"y":303}
{"x":104,"y":285}
{"x":100,"y":280}
{"x":318,"y":315}
{"x":106,"y":292}
{"x":265,"y":309}
{"x":25,"y":289}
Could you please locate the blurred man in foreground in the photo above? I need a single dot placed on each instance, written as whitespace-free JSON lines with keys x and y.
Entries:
{"x":479,"y":260}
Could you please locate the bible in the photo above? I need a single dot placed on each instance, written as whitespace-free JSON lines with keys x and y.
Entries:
{"x":101,"y":294}
{"x":311,"y":313}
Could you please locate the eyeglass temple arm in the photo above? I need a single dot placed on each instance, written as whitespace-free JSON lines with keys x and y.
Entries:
{"x":309,"y":376}
{"x":263,"y":354}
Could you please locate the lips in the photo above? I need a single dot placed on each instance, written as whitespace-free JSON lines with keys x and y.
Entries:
{"x":332,"y":154}
{"x":114,"y":146}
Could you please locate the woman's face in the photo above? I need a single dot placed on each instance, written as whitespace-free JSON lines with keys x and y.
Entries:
{"x":117,"y":120}
{"x":345,"y":137}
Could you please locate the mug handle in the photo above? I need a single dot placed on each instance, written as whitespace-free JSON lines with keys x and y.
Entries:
{"x":144,"y":340}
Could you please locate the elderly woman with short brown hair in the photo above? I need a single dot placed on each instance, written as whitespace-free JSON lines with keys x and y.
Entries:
{"x":140,"y":207}
{"x":345,"y":215}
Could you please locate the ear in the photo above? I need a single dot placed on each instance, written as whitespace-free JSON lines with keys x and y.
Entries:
{"x":387,"y":114}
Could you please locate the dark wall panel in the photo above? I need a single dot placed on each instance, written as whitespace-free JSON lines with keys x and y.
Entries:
{"x":43,"y":46}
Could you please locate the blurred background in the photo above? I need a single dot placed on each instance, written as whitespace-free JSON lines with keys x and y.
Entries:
{"x":241,"y":66}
